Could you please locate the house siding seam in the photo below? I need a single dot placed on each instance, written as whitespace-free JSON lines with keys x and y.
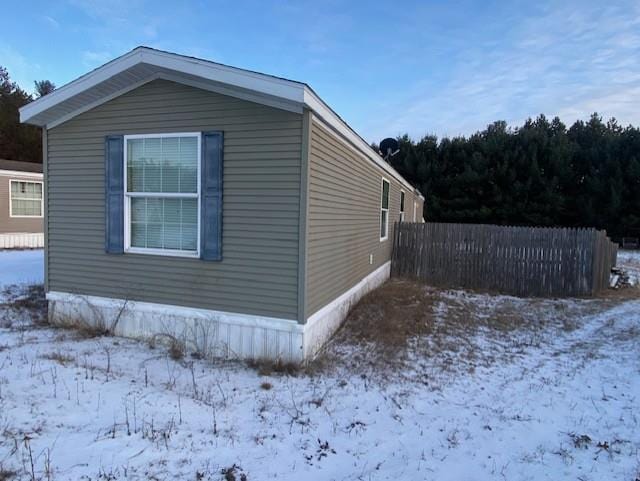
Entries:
{"x":8,"y":224}
{"x":258,"y":274}
{"x":344,"y":217}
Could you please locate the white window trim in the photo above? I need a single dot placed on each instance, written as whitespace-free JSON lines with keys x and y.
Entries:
{"x":129,"y":195}
{"x":415,"y":211}
{"x":11,"y":181}
{"x":386,"y":227}
{"x":402,"y":204}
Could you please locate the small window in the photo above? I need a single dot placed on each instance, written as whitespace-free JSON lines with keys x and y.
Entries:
{"x":384,"y":211}
{"x":415,"y":211}
{"x":401,"y":206}
{"x":162,"y":194}
{"x":26,"y":199}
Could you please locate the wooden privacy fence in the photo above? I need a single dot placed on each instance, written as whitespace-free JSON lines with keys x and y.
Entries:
{"x":523,"y":261}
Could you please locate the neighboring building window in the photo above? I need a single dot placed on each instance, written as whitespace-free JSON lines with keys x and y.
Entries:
{"x":384,"y":210}
{"x":162,"y":194}
{"x":26,"y":199}
{"x":401,"y":206}
{"x":415,"y":211}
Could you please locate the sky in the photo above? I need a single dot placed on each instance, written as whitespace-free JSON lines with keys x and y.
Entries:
{"x":419,"y":67}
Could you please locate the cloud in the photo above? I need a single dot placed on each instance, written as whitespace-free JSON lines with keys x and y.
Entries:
{"x":563,"y":61}
{"x":52,"y":22}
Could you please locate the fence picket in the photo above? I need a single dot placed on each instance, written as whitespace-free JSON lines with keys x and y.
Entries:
{"x":524,"y":261}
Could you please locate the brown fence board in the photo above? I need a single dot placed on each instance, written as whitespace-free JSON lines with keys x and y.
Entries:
{"x":523,"y":261}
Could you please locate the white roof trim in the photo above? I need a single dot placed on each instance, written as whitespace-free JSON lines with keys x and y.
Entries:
{"x":270,"y":90}
{"x":20,"y":173}
{"x":330,"y":118}
{"x":265,"y":84}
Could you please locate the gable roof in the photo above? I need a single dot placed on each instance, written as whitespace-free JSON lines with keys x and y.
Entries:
{"x":20,"y":166}
{"x":143,"y":64}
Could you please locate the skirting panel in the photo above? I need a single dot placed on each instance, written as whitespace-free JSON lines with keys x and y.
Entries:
{"x":213,"y":334}
{"x":21,"y":240}
{"x":210,"y":333}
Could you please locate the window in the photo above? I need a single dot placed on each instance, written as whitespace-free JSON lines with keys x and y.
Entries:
{"x":415,"y":211}
{"x":26,"y":199}
{"x":401,"y":206}
{"x":162,"y":194}
{"x":384,"y":210}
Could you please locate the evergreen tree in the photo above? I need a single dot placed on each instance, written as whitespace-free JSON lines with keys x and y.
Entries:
{"x":540,"y":173}
{"x":17,"y":141}
{"x":44,"y":87}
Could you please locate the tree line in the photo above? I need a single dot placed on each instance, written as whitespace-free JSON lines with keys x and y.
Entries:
{"x":19,"y":141}
{"x":538,"y":174}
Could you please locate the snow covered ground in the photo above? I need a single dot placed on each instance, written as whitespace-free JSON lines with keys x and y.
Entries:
{"x":21,"y":266}
{"x":558,"y":402}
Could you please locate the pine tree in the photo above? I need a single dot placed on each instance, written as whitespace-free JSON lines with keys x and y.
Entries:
{"x":44,"y":87}
{"x":17,"y":141}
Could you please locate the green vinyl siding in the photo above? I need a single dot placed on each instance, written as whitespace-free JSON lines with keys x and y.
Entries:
{"x":343,"y":220}
{"x":258,"y":273}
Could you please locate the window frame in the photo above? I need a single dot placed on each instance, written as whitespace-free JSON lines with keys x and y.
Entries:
{"x":382,"y":209}
{"x":167,"y":195}
{"x":403,"y":201}
{"x":16,"y":216}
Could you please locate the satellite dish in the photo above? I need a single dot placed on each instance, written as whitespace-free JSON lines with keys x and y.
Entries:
{"x":389,"y":147}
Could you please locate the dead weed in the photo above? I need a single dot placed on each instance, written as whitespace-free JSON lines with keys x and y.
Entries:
{"x":59,"y":357}
{"x":408,"y":322}
{"x":268,"y":367}
{"x":26,"y":300}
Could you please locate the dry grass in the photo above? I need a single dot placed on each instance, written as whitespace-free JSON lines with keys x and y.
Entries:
{"x":449,"y":330}
{"x":389,"y":316}
{"x":59,"y":357}
{"x":7,"y":474}
{"x":85,"y":330}
{"x":28,"y":300}
{"x":176,"y":350}
{"x":268,"y":367}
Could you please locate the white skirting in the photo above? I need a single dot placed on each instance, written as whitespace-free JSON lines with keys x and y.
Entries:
{"x":321,"y":325}
{"x":22,"y":240}
{"x":210,"y":333}
{"x":213,"y":333}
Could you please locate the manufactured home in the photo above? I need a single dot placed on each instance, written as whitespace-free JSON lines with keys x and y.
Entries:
{"x":21,"y":205}
{"x":233,"y":209}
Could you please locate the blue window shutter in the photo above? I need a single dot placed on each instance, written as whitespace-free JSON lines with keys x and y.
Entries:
{"x":211,"y":197}
{"x":114,"y":194}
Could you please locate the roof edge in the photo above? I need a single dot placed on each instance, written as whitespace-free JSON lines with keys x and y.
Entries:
{"x":330,"y":117}
{"x":289,"y":90}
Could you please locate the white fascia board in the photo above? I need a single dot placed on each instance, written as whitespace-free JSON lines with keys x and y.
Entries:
{"x":103,"y":100}
{"x":324,"y":113}
{"x":266,"y":84}
{"x":81,"y":84}
{"x":203,"y":85}
{"x":19,"y":173}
